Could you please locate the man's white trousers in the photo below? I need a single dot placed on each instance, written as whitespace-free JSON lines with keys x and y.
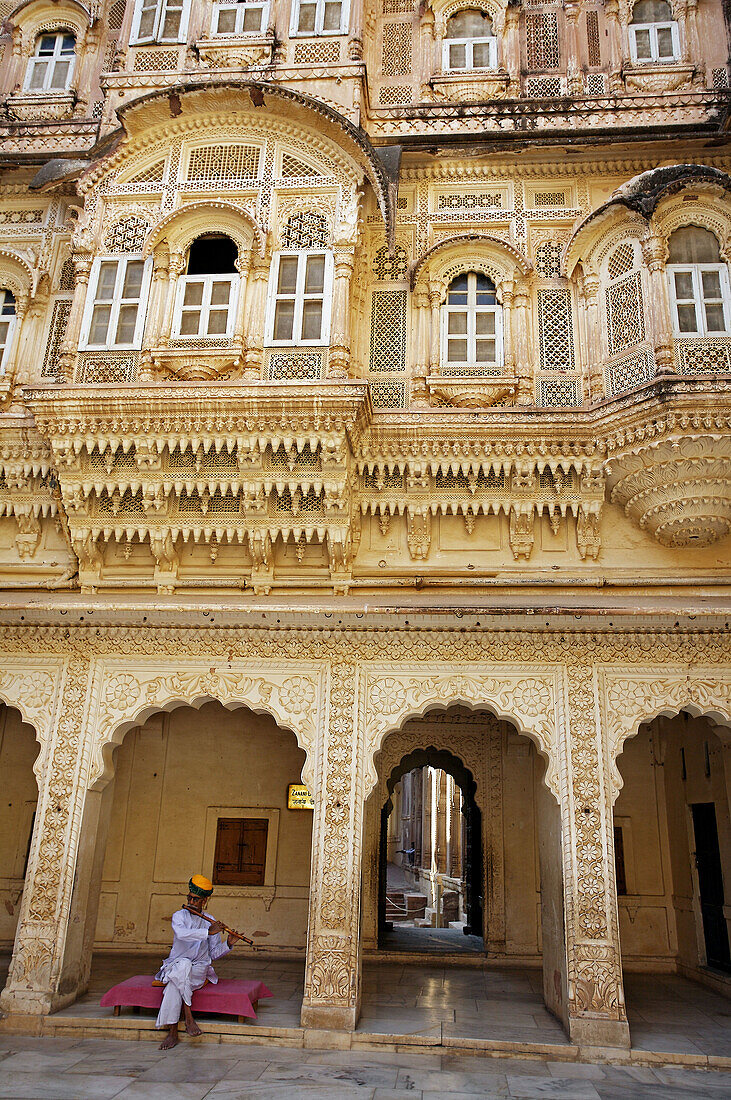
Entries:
{"x":183,"y":978}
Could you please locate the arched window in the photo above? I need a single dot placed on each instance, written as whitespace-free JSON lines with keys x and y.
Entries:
{"x":208,"y":292}
{"x":469,"y":42}
{"x":113,"y":315}
{"x":653,"y":33}
{"x":236,"y":17}
{"x":7,"y":325}
{"x":699,"y":283}
{"x":300,"y":287}
{"x":52,"y":64}
{"x":472,"y":324}
{"x":159,"y":21}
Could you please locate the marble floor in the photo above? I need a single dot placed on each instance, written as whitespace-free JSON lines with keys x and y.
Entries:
{"x":667,"y":1013}
{"x":103,"y":1069}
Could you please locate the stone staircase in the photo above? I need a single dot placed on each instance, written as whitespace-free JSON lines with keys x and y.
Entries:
{"x":402,"y":906}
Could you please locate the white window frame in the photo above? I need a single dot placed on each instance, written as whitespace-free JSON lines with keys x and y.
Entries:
{"x":116,"y":301}
{"x":319,"y":19}
{"x":469,"y":43}
{"x":299,"y":299}
{"x":161,"y":8}
{"x":205,"y":306}
{"x":240,"y":9}
{"x":470,"y":336}
{"x":653,"y":28}
{"x":50,"y":61}
{"x":696,"y":273}
{"x":7,"y":348}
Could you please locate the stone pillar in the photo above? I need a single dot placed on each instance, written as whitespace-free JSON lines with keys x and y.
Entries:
{"x":419,"y":392}
{"x":338,"y":365}
{"x":596,"y":1015}
{"x":523,"y":344}
{"x":506,"y":293}
{"x":511,"y":48}
{"x":243,"y":266}
{"x":573,"y":67}
{"x":611,"y":12}
{"x":654,"y":250}
{"x":435,"y":306}
{"x":35,"y":986}
{"x":332,"y":973}
{"x":254,"y":318}
{"x":156,"y":311}
{"x":591,"y":335}
{"x":176,"y":269}
{"x":427,"y":65}
{"x":70,"y":347}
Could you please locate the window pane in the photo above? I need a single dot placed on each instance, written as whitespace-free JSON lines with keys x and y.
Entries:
{"x":133,"y":279}
{"x":99,"y":324}
{"x":315,"y":275}
{"x":652,"y":11}
{"x":226,"y":21}
{"x":642,"y":43}
{"x":38,"y":74}
{"x":189,"y":322}
{"x":252,"y":20}
{"x":106,"y":281}
{"x":193,"y":294}
{"x":8,"y":301}
{"x":4,"y":329}
{"x":457,"y":56}
{"x":287,"y":280}
{"x":485,"y":324}
{"x":485,"y":351}
{"x":714,"y":318}
{"x":686,"y":319}
{"x":457,"y":322}
{"x":171,"y":25}
{"x":217,"y":321}
{"x":331,"y":21}
{"x":664,"y":42}
{"x":60,"y":76}
{"x":306,"y":22}
{"x":481,"y":55}
{"x":147,"y":23}
{"x":284,"y":321}
{"x":68,"y":44}
{"x":47,"y":44}
{"x":220,"y":292}
{"x":457,"y":351}
{"x":126,"y":325}
{"x":683,"y":284}
{"x":692,"y":245}
{"x":311,"y":320}
{"x":711,"y":284}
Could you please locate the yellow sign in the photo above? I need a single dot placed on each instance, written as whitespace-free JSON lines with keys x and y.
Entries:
{"x":299,"y":797}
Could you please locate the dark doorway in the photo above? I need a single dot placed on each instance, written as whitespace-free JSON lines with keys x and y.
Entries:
{"x":710,"y":885}
{"x":472,"y":819}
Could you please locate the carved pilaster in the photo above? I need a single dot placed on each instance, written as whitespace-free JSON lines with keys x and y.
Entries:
{"x":67,"y":358}
{"x":654,"y":250}
{"x":332,"y":975}
{"x":339,"y":356}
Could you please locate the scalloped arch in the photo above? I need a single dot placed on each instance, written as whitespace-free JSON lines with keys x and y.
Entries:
{"x":445,"y":9}
{"x":529,"y":699}
{"x":595,"y":237}
{"x":706,"y":213}
{"x":181,"y":227}
{"x":40,"y":16}
{"x":630,"y":699}
{"x":494,"y":257}
{"x":16,"y":273}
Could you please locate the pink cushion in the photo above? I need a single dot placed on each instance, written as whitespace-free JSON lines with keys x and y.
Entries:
{"x":230,"y":997}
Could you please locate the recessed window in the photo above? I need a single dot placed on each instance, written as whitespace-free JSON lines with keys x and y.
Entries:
{"x":699,"y":284}
{"x":620,"y":869}
{"x":471,"y":324}
{"x":653,"y":33}
{"x":208,"y":292}
{"x":159,"y":21}
{"x":321,"y":17}
{"x":239,"y":17}
{"x":241,"y":849}
{"x":299,"y":298}
{"x":113,"y":317}
{"x":7,"y":325}
{"x":469,"y":42}
{"x":52,"y":64}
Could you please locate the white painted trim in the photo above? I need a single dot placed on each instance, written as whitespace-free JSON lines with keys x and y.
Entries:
{"x":121,"y":262}
{"x":298,"y":297}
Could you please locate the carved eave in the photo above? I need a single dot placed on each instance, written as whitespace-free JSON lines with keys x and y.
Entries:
{"x":245,"y":466}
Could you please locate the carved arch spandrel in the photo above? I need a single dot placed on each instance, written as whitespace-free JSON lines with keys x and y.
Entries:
{"x":630,"y":698}
{"x":32,"y":687}
{"x":526,"y":696}
{"x":127,"y":692}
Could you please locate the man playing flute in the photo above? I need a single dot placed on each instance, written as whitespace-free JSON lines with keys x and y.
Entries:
{"x":196,"y":944}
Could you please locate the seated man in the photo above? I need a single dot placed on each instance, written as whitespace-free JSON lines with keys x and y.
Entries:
{"x":196,"y":943}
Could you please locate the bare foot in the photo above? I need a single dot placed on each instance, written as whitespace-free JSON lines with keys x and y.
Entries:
{"x":192,"y":1027}
{"x":171,"y":1040}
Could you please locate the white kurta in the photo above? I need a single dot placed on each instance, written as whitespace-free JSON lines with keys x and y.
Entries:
{"x":188,"y":965}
